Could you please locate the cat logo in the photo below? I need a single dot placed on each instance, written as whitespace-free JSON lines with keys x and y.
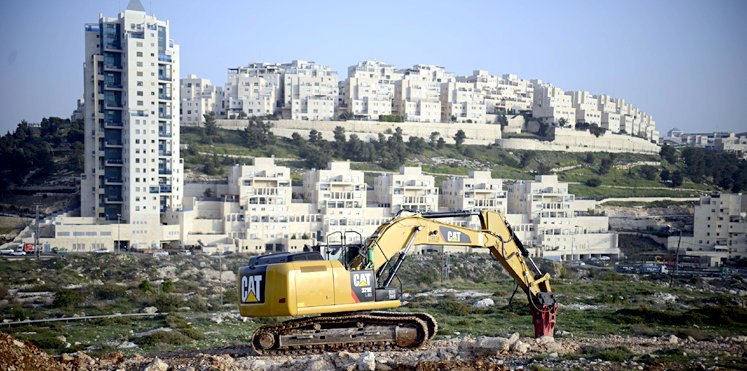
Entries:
{"x":361,"y":279}
{"x":453,"y":236}
{"x":251,"y":289}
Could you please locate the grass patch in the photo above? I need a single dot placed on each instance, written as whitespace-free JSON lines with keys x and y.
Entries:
{"x":615,"y":354}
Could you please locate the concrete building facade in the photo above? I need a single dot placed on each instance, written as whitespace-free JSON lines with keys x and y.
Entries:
{"x":133,"y":171}
{"x":368,"y":91}
{"x":310,"y":91}
{"x":409,"y":190}
{"x":719,"y":230}
{"x":478,"y":191}
{"x":253,"y":90}
{"x":198,"y":97}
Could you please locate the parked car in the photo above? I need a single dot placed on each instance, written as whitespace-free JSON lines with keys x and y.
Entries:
{"x":101,"y":251}
{"x":185,"y":252}
{"x":160,"y":253}
{"x":604,"y":258}
{"x":6,"y":251}
{"x":18,"y":253}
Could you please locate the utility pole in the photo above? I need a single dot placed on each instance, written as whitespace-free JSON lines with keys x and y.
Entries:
{"x":220,"y":276}
{"x":37,"y":249}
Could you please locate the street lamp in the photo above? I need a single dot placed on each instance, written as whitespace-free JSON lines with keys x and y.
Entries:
{"x":118,"y":240}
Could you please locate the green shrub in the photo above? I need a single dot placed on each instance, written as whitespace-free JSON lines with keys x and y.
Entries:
{"x":176,"y":321}
{"x":68,"y":298}
{"x":47,"y":342}
{"x":456,"y":308}
{"x":611,"y":276}
{"x":163,"y":337}
{"x":616,"y":354}
{"x":193,"y":333}
{"x":144,"y":285}
{"x":167,"y":302}
{"x":110,"y":292}
{"x":167,"y":286}
{"x":19,"y":314}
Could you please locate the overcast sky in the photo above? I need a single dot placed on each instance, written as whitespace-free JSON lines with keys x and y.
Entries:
{"x":683,"y":62}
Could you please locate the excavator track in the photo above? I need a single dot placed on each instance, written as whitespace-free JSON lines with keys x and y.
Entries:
{"x":348,"y":331}
{"x":425,"y":317}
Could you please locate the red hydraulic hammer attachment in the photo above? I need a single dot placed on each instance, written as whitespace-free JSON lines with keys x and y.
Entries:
{"x":543,"y":314}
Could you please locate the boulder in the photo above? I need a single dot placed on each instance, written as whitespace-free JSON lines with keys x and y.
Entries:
{"x":545,"y":340}
{"x":127,"y":345}
{"x":367,"y":362}
{"x":149,"y":310}
{"x":484,"y":303}
{"x":157,"y":365}
{"x":513,"y":339}
{"x":673,"y":339}
{"x":491,"y":346}
{"x":521,"y":347}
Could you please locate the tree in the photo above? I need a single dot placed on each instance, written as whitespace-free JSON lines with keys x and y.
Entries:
{"x":502,"y":120}
{"x":694,"y":163}
{"x":668,"y":153}
{"x":562,"y":122}
{"x":167,"y":286}
{"x":648,"y":172}
{"x":459,"y":139}
{"x":434,"y":138}
{"x":211,"y":126}
{"x":346,"y":116}
{"x":593,"y":182}
{"x":297,"y":139}
{"x":339,"y":135}
{"x":605,"y":166}
{"x":664,"y":175}
{"x":257,"y":133}
{"x":441,"y":143}
{"x":314,"y":136}
{"x":677,"y":179}
{"x":589,"y":158}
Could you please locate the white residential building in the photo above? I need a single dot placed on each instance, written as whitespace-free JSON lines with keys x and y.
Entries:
{"x":198,"y":97}
{"x":736,"y":143}
{"x":368,"y":90}
{"x":409,"y":190}
{"x":478,"y":191}
{"x":586,"y":107}
{"x":417,"y":96}
{"x":310,"y":91}
{"x":555,"y":224}
{"x":254,"y":90}
{"x":462,"y":102}
{"x":551,"y":104}
{"x":719,"y":229}
{"x":133,"y":171}
{"x":339,"y":194}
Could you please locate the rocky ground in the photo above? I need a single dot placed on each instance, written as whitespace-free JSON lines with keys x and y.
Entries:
{"x":484,"y":353}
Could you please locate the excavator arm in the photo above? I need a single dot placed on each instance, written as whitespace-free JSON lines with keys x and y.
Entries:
{"x":398,"y":235}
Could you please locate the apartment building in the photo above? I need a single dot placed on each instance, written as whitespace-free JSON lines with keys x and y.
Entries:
{"x":198,"y":97}
{"x":586,"y":107}
{"x":478,"y":191}
{"x":555,"y":224}
{"x":339,"y":194}
{"x":501,"y":94}
{"x":551,"y":104}
{"x":462,"y":102}
{"x":253,"y":90}
{"x":310,"y":91}
{"x":736,"y":143}
{"x":368,"y":90}
{"x":719,"y":229}
{"x":133,"y":172}
{"x":417,"y":96}
{"x":409,"y":190}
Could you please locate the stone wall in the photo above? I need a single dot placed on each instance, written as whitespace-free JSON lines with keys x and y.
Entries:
{"x":571,"y":140}
{"x":481,"y":134}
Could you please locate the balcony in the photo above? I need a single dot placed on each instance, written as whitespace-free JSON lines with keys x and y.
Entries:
{"x":165,"y":189}
{"x":164,"y":134}
{"x":164,"y":58}
{"x":164,"y":171}
{"x":139,"y":114}
{"x":113,"y":181}
{"x":113,"y":144}
{"x":113,"y":125}
{"x":112,"y":86}
{"x":113,"y":200}
{"x":164,"y":116}
{"x":113,"y":162}
{"x":92,"y":27}
{"x":164,"y":96}
{"x":112,"y":67}
{"x":164,"y":153}
{"x":112,"y":105}
{"x":164,"y":77}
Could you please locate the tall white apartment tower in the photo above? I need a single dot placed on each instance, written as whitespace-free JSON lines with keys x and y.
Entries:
{"x":133,"y":172}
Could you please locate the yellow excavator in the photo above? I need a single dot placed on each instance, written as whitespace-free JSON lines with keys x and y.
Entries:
{"x":340,"y":300}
